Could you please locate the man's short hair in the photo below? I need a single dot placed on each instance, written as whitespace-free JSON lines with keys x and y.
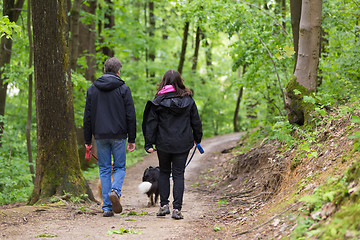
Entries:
{"x":112,"y":65}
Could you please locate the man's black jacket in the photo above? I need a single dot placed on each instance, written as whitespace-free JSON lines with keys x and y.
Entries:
{"x":109,"y":110}
{"x":171,"y":123}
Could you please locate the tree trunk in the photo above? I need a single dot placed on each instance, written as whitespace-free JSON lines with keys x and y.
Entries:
{"x":30,"y":96}
{"x":183,"y":47}
{"x":305,"y":76}
{"x":197,"y":46}
{"x":87,"y":41}
{"x":11,"y":9}
{"x":151,"y":35}
{"x":57,"y":164}
{"x":281,"y":8}
{"x":309,"y":44}
{"x":238,"y":101}
{"x":109,"y":24}
{"x":74,"y":30}
{"x":295,"y":9}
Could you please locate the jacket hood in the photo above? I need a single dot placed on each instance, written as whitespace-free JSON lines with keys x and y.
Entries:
{"x":176,"y":105}
{"x":108,"y":82}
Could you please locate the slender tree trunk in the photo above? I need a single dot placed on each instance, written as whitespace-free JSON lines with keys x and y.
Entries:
{"x":208,"y":58}
{"x":109,"y":15}
{"x":74,"y":30}
{"x":197,"y":47}
{"x":295,"y":9}
{"x":30,"y":90}
{"x":87,"y":39}
{"x":146,"y":48}
{"x":151,"y":35}
{"x":183,"y":47}
{"x":238,"y":101}
{"x":57,"y":164}
{"x":305,"y":76}
{"x":281,"y":8}
{"x":11,"y":9}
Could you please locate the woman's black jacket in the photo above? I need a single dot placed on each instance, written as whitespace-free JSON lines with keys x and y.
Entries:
{"x":171,"y":123}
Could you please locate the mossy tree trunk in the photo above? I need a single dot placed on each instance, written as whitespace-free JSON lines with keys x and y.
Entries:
{"x":305,"y":75}
{"x":57,"y":163}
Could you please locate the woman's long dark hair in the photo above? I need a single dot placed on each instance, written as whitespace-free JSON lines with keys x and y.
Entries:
{"x":174,"y":78}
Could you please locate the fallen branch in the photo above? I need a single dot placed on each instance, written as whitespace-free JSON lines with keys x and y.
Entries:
{"x":259,"y":226}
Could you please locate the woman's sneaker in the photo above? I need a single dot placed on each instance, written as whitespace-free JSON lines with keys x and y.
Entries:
{"x":177,"y":214}
{"x":163,"y":211}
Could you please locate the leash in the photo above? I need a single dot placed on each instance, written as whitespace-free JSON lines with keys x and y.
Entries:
{"x":198,"y":146}
{"x":201,"y":150}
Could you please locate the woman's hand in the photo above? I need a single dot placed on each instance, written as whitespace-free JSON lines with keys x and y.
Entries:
{"x":150,"y":150}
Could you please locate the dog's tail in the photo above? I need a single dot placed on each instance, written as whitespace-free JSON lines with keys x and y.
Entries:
{"x":144,"y":187}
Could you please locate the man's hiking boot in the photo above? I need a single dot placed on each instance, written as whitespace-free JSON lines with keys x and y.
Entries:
{"x":177,"y":214}
{"x":115,"y":200}
{"x":163,"y":211}
{"x":108,"y":214}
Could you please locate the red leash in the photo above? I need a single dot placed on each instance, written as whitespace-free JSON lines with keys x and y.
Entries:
{"x":88,"y":154}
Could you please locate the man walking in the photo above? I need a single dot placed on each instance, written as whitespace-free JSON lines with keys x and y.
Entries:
{"x":110,"y":116}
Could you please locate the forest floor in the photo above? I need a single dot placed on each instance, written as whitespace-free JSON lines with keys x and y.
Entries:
{"x":228,"y":195}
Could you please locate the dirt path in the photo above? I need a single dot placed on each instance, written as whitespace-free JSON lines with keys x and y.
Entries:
{"x":62,"y":222}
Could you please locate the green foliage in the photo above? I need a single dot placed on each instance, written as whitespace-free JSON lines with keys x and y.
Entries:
{"x":46,"y":235}
{"x":122,"y":231}
{"x":340,"y":57}
{"x":7,"y":28}
{"x":80,"y":85}
{"x":15,"y":178}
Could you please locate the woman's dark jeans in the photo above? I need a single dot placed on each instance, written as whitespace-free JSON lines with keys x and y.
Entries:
{"x":174,"y":164}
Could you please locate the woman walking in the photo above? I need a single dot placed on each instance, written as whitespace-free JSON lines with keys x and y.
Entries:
{"x":171,"y":122}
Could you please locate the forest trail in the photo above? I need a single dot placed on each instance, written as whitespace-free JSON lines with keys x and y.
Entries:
{"x":65,"y":222}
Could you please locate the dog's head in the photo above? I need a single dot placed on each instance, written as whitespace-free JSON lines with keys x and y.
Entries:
{"x":151,"y":174}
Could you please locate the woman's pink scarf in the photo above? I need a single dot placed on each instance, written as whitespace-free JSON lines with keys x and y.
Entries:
{"x":166,"y":89}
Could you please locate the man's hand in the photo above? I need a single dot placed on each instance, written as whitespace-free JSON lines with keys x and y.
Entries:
{"x":131,"y":147}
{"x":150,"y":150}
{"x":88,"y":152}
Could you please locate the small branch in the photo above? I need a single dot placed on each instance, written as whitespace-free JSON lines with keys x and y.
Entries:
{"x":259,"y":226}
{"x":262,"y":10}
{"x":272,"y":60}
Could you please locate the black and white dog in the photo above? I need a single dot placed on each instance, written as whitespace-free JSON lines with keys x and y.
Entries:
{"x":150,"y":184}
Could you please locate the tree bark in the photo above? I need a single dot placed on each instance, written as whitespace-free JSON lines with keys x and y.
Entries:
{"x":309,"y":44}
{"x":30,"y":96}
{"x":151,"y":35}
{"x":238,"y":101}
{"x":295,"y":9}
{"x":74,"y":30}
{"x":197,"y":47}
{"x":305,"y":76}
{"x":183,"y":47}
{"x":11,"y":9}
{"x":57,"y":164}
{"x":87,"y":41}
{"x":109,"y":24}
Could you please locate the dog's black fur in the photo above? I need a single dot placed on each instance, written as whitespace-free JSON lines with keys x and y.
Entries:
{"x":151,"y":174}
